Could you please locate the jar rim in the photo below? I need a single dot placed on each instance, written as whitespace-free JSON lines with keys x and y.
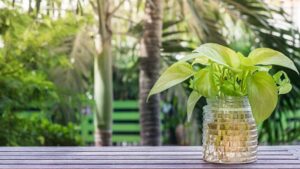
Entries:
{"x":227,"y":98}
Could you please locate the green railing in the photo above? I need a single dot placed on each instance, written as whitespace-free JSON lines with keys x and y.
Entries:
{"x":126,"y":126}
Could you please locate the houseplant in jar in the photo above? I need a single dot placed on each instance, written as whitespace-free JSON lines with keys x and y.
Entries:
{"x":240,"y":93}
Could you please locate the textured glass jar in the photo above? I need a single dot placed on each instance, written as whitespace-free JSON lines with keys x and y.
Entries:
{"x":229,"y":131}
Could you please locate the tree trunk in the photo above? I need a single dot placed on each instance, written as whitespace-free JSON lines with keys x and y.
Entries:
{"x":29,"y":7}
{"x":149,"y":64}
{"x":37,"y":6}
{"x":103,"y":79}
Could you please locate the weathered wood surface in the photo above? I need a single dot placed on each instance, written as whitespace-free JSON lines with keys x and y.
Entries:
{"x":137,"y":157}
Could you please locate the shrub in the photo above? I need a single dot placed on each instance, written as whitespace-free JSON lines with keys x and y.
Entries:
{"x":36,"y":131}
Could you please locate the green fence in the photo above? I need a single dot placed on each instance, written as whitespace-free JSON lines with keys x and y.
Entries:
{"x":125,"y":127}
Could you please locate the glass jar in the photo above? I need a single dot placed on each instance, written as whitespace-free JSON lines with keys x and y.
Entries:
{"x":229,"y":131}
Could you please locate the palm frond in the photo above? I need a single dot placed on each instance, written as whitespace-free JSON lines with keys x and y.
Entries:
{"x":273,"y":28}
{"x":268,"y":27}
{"x":80,"y":51}
{"x":203,"y":21}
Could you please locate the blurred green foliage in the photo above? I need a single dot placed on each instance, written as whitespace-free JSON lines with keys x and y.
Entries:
{"x":33,"y":52}
{"x":29,"y":61}
{"x":20,"y":86}
{"x":36,"y":130}
{"x":46,"y":64}
{"x":241,"y":25}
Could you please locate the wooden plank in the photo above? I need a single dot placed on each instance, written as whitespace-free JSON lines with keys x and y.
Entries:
{"x":92,"y":155}
{"x":154,"y":157}
{"x":99,"y":153}
{"x":104,"y":149}
{"x":128,"y":153}
{"x":295,"y":152}
{"x":137,"y":148}
{"x":127,"y":162}
{"x":269,"y":153}
{"x":170,"y":157}
{"x":136,"y":157}
{"x":158,"y":166}
{"x":95,"y":157}
{"x":146,"y":157}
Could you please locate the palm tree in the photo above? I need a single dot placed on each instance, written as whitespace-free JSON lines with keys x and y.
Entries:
{"x":267,"y":26}
{"x":103,"y":78}
{"x":149,"y":64}
{"x":264,"y":26}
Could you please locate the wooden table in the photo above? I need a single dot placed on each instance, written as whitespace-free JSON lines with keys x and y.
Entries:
{"x":137,"y":157}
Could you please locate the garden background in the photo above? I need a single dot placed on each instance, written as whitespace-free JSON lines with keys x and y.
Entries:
{"x":73,"y":72}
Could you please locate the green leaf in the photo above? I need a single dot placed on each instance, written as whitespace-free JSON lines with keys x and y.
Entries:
{"x":284,"y":85}
{"x":175,"y":74}
{"x":266,"y":56}
{"x":277,"y":77}
{"x":229,"y":90}
{"x":217,"y":53}
{"x":192,"y":100}
{"x":285,"y":88}
{"x":204,"y":84}
{"x":202,"y":60}
{"x":245,"y":61}
{"x":263,"y":68}
{"x":263,"y":97}
{"x":191,"y":56}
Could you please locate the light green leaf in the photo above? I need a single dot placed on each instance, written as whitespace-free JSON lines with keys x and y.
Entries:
{"x":191,"y":56}
{"x":266,"y":56}
{"x":285,"y":88}
{"x":284,"y":85}
{"x":175,"y":74}
{"x":228,"y":89}
{"x":263,"y":97}
{"x":217,"y":53}
{"x":204,"y":84}
{"x":201,"y":60}
{"x":192,"y":100}
{"x":263,"y":68}
{"x":245,"y":61}
{"x":277,"y":77}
